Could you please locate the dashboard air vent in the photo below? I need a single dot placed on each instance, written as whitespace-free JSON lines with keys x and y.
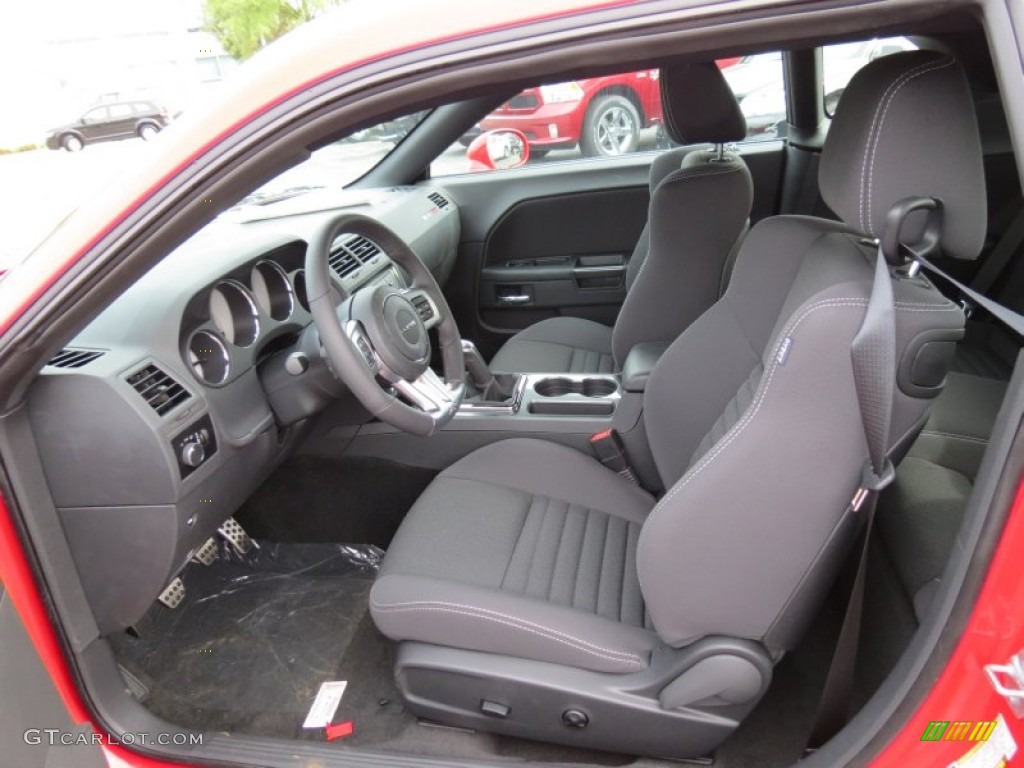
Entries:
{"x":438,"y":199}
{"x":363,"y":249}
{"x":158,"y":389}
{"x":342,"y":261}
{"x":73,"y":358}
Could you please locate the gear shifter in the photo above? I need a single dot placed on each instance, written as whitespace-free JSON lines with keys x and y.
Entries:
{"x":476,"y":367}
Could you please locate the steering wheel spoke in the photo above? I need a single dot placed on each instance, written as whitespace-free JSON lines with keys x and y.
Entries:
{"x":362,"y":343}
{"x":428,"y":393}
{"x":425,"y":306}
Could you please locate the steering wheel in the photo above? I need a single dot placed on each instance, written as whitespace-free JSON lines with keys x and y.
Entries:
{"x":376,"y":340}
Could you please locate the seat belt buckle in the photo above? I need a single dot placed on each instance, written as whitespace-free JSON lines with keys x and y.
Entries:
{"x":872,"y":482}
{"x":610,"y":451}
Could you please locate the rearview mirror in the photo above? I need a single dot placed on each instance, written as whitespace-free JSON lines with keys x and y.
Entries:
{"x":498,"y":150}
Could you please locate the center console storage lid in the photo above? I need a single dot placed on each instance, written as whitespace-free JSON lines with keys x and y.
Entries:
{"x":639,"y":363}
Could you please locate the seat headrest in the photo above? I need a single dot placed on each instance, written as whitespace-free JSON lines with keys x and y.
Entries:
{"x":699,"y":106}
{"x":906,"y":127}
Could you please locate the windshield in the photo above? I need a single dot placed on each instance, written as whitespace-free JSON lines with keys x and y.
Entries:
{"x":340,"y":163}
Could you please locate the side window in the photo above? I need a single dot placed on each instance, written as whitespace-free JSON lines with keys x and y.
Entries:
{"x":97,"y":115}
{"x":614,"y":115}
{"x":841,"y":61}
{"x":120,"y":111}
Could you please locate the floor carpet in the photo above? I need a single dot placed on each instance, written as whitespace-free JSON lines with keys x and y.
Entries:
{"x":315,"y":499}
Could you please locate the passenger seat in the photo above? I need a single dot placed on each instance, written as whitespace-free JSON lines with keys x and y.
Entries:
{"x":700,"y":207}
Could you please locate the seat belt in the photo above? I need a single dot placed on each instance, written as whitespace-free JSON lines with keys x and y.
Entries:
{"x":1007,"y":246}
{"x":1012,"y":320}
{"x":873,"y":355}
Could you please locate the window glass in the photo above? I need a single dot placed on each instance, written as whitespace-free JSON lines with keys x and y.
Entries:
{"x":841,"y":61}
{"x":95,"y":115}
{"x":120,"y":111}
{"x":339,"y":163}
{"x":616,"y":115}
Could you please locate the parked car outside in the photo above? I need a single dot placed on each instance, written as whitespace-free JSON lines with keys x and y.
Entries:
{"x":602,"y":115}
{"x":109,"y":122}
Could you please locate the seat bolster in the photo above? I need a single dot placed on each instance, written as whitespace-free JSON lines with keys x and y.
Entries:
{"x":558,"y":345}
{"x":459,"y":615}
{"x":526,"y":464}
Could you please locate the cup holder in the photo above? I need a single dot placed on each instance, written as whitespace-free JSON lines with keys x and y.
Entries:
{"x":554,"y":387}
{"x":559,"y":387}
{"x":599,"y":387}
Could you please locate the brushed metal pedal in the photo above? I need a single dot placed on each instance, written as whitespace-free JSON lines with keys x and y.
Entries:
{"x":173,"y":593}
{"x":207,"y":553}
{"x":235,"y":535}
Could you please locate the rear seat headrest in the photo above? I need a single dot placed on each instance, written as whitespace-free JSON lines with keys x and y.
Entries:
{"x":699,"y":106}
{"x":906,"y":126}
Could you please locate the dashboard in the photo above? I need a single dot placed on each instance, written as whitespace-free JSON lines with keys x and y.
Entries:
{"x":171,"y":407}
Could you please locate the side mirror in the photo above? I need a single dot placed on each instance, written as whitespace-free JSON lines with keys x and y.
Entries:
{"x":498,"y":150}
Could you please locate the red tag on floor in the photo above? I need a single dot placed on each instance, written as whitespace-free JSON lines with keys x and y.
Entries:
{"x":339,"y":730}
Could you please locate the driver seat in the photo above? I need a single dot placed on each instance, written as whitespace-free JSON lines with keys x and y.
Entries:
{"x":538,"y":594}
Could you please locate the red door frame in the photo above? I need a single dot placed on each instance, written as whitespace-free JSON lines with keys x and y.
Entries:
{"x":995,"y":630}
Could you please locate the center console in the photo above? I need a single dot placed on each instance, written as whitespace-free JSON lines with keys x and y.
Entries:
{"x":566,"y":408}
{"x":551,"y":395}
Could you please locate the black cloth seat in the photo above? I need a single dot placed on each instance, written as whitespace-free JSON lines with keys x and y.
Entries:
{"x":558,"y":582}
{"x":699,"y":210}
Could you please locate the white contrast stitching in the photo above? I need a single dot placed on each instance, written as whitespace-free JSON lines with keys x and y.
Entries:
{"x":514,"y":622}
{"x":733,"y":433}
{"x":752,"y":410}
{"x":862,"y":192}
{"x":874,"y":136}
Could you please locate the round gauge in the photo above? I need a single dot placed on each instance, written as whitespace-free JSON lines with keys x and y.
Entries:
{"x":272,"y":290}
{"x":208,"y":358}
{"x":300,"y":289}
{"x":234,"y":313}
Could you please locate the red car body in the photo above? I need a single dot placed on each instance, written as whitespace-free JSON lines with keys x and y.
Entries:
{"x":564,"y":124}
{"x":994,"y":631}
{"x":560,"y":124}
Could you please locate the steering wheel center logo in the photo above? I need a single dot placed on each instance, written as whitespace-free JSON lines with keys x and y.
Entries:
{"x":408,"y":326}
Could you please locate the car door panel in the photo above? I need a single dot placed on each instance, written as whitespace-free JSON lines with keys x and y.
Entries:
{"x":31,"y":705}
{"x":93,"y":124}
{"x":555,"y":239}
{"x":533,"y":261}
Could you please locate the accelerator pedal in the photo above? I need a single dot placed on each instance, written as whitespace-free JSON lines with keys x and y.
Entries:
{"x":235,"y":535}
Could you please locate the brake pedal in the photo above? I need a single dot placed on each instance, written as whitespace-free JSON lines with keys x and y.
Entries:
{"x":235,"y":535}
{"x":173,"y":594}
{"x":207,"y":553}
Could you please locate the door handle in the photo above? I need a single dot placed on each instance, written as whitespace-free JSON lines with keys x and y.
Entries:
{"x":603,"y":276}
{"x":611,"y":270}
{"x":514,"y":299}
